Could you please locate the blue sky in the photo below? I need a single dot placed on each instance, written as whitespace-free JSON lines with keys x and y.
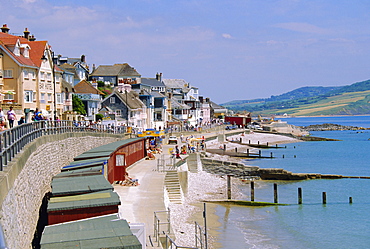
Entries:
{"x":231,"y":50}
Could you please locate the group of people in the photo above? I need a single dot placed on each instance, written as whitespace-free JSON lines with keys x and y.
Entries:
{"x":10,"y":116}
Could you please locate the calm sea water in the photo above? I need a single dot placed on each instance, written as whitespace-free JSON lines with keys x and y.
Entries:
{"x":337,"y":224}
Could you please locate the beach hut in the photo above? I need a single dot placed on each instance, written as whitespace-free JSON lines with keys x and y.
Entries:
{"x":106,"y":231}
{"x":76,"y":207}
{"x":65,"y":186}
{"x":121,"y":154}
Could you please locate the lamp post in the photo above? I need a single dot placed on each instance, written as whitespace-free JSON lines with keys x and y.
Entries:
{"x":44,"y":58}
{"x":127,"y":109}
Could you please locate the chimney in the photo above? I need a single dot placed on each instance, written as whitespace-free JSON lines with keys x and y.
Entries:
{"x":93,"y":69}
{"x":26,"y":33}
{"x":158,"y":76}
{"x":32,"y":38}
{"x":207,"y":100}
{"x":201,"y":99}
{"x":83,"y":58}
{"x":5,"y":29}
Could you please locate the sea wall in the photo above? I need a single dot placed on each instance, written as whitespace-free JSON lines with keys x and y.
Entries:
{"x":27,"y":178}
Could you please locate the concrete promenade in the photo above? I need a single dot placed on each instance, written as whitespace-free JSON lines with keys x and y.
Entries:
{"x":138,"y":203}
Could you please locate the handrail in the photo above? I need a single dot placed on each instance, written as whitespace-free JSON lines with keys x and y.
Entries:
{"x":172,"y":243}
{"x":13,"y":140}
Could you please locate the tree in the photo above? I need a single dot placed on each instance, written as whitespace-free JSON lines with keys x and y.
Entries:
{"x":78,"y":106}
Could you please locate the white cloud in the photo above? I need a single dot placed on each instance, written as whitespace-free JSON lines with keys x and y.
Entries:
{"x":227,"y":36}
{"x":302,"y":27}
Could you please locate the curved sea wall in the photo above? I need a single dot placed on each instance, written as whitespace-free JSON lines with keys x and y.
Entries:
{"x":28,"y":177}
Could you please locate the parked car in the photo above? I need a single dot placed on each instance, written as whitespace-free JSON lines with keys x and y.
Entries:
{"x":172,"y":140}
{"x":231,"y":127}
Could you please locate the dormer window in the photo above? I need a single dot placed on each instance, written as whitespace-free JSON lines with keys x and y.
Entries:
{"x":16,"y":50}
{"x":26,"y":52}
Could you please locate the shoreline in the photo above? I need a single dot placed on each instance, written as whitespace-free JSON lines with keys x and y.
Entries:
{"x":184,"y":215}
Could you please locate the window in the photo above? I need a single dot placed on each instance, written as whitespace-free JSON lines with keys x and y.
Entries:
{"x":48,"y":76}
{"x":49,"y":97}
{"x":8,"y":96}
{"x":34,"y":96}
{"x":28,"y":96}
{"x":42,"y":100}
{"x":118,"y":112}
{"x":112,"y":100}
{"x":33,"y":75}
{"x":25,"y":74}
{"x":57,"y":78}
{"x":8,"y":73}
{"x":59,"y":98}
{"x":42,"y":76}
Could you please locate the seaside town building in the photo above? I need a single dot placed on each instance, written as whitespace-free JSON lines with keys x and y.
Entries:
{"x":33,"y":76}
{"x":30,"y":79}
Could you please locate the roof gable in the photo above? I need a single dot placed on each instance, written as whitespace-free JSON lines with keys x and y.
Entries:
{"x":86,"y":87}
{"x":115,"y":70}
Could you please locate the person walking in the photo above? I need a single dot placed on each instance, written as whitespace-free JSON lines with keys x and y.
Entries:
{"x":11,"y":117}
{"x":2,"y":117}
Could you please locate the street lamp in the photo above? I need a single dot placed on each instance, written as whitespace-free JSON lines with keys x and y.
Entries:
{"x":44,"y":58}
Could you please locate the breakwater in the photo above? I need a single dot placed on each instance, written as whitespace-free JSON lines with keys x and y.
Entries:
{"x":332,"y":127}
{"x":242,"y":171}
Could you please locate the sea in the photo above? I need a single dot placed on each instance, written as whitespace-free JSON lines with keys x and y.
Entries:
{"x":336,"y":224}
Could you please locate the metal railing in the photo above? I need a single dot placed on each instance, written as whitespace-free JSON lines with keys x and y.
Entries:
{"x":200,"y":236}
{"x":158,"y":223}
{"x":170,"y":244}
{"x":13,"y":140}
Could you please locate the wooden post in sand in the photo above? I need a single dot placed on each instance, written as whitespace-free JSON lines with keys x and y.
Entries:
{"x":236,"y":149}
{"x":228,"y":187}
{"x":275,"y":193}
{"x":299,"y":195}
{"x":260,"y":153}
{"x":350,"y":200}
{"x":252,"y":190}
{"x":323,"y":197}
{"x":247,"y":152}
{"x":267,"y":144}
{"x":240,"y":140}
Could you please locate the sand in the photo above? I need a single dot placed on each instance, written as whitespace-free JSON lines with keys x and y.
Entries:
{"x":205,"y":186}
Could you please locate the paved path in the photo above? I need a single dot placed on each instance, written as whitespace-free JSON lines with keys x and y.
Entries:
{"x":139,"y":203}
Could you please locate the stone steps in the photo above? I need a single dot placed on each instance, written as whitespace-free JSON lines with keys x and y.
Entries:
{"x":173,"y":188}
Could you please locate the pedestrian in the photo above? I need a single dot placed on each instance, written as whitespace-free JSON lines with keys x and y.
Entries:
{"x":11,"y":117}
{"x":21,"y":121}
{"x":177,"y":152}
{"x":37,"y":115}
{"x":2,"y":117}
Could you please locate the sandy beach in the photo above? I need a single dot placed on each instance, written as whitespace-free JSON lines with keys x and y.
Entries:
{"x":205,"y":186}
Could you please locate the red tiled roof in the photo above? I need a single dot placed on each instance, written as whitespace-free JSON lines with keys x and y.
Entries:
{"x":35,"y":53}
{"x":86,"y":87}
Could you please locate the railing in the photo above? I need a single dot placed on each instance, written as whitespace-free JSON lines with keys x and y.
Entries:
{"x":200,"y":236}
{"x":13,"y":140}
{"x":170,"y":244}
{"x":158,"y":223}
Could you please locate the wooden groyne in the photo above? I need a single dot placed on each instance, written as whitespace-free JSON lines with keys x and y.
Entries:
{"x":258,"y":145}
{"x":237,"y":154}
{"x":245,"y":203}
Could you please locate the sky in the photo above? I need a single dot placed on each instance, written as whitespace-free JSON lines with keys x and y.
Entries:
{"x":230,"y":50}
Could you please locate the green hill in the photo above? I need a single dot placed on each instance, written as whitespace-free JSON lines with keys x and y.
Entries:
{"x":346,"y":100}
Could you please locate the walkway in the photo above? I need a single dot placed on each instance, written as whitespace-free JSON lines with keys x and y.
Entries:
{"x":139,"y":203}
